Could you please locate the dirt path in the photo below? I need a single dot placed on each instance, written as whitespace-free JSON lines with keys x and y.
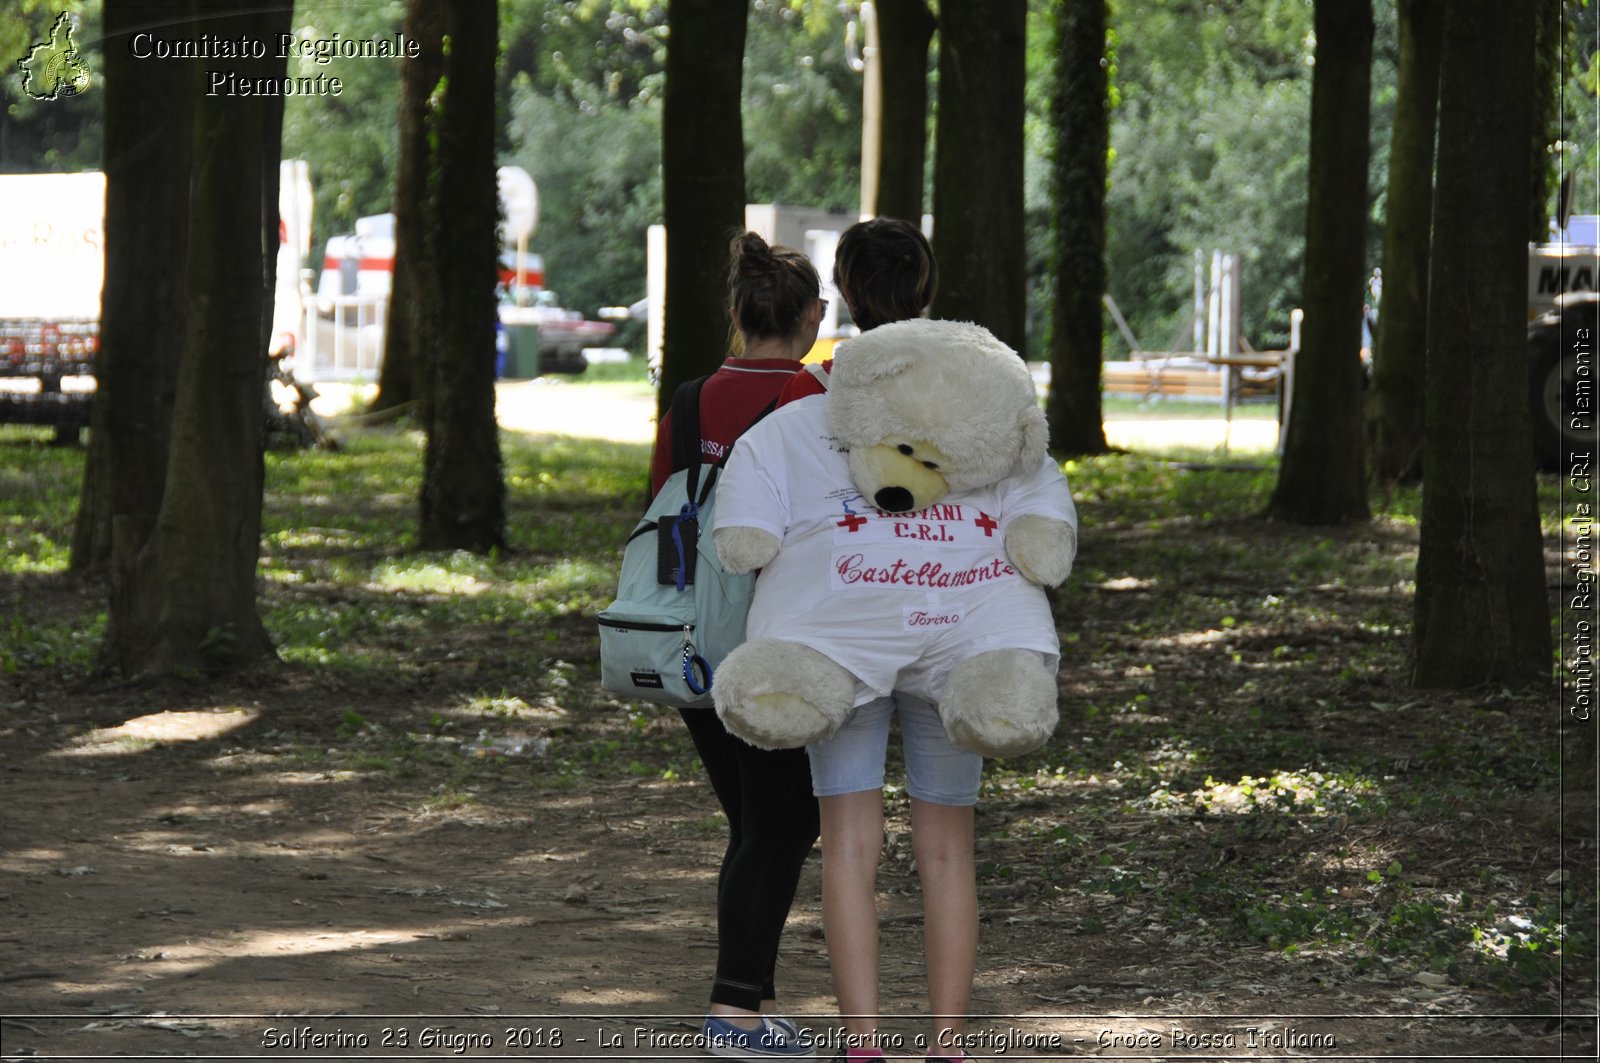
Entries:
{"x":188,"y":884}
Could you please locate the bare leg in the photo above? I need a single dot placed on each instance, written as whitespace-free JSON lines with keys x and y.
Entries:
{"x":852,"y":840}
{"x":942,"y":840}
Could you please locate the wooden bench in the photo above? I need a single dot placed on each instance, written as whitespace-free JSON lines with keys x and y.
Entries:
{"x":1157,"y":378}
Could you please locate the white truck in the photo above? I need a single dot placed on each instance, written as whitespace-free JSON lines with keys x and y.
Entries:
{"x":52,"y":262}
{"x":52,"y":268}
{"x":1563,"y":310}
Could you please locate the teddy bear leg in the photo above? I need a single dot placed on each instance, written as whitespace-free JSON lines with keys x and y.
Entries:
{"x":781,"y":695}
{"x":1000,"y":703}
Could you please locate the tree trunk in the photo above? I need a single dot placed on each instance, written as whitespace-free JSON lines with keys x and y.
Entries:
{"x":1080,"y":111}
{"x":188,"y":601}
{"x":1398,"y":368}
{"x":905,"y":30}
{"x":1481,"y":613}
{"x":463,"y":489}
{"x":403,"y":378}
{"x":978,"y":231}
{"x":147,"y":152}
{"x":702,"y":183}
{"x":1321,"y":480}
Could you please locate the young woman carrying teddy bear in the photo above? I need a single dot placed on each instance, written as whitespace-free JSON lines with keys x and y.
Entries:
{"x":885,"y":270}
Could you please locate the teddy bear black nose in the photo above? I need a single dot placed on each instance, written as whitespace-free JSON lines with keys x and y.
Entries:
{"x":892,"y":499}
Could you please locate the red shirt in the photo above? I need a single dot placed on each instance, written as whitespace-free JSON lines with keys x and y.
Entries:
{"x":730,"y":401}
{"x":805,"y":383}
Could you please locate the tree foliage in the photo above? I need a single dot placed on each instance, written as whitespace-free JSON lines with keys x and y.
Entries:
{"x":597,"y":164}
{"x":351,"y":140}
{"x":38,"y":136}
{"x":1209,"y":153}
{"x":802,"y":110}
{"x":1208,"y":135}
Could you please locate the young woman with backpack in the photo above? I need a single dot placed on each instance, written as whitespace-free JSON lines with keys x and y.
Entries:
{"x":775,"y":309}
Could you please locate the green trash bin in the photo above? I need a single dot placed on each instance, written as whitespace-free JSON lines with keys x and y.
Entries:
{"x":522,"y":351}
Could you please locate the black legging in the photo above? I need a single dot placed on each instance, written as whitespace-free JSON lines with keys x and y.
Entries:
{"x":772,"y":824}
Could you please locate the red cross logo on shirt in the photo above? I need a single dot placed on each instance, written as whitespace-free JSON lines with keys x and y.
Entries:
{"x":851,"y":522}
{"x":987,"y":523}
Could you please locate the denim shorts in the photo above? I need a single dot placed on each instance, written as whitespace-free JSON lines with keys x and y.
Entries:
{"x":936,"y":771}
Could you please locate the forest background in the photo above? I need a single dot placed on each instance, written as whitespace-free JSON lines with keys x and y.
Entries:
{"x":1216,"y":105}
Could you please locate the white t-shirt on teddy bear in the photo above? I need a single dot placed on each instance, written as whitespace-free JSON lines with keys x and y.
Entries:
{"x":895,"y":599}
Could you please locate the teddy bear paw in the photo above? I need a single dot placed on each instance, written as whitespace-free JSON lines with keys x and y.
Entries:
{"x":1000,"y":704}
{"x":781,"y":695}
{"x":744,"y":549}
{"x":1042,"y":548}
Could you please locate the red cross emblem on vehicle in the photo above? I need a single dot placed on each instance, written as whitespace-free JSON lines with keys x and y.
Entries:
{"x":852,"y":521}
{"x":987,"y":523}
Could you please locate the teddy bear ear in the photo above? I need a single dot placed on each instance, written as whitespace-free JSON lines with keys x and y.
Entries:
{"x":884,"y":352}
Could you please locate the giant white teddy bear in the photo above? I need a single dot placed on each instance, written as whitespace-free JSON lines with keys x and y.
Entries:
{"x":904,"y":524}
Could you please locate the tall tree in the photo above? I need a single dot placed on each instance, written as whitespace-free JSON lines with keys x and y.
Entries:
{"x":1322,"y":479}
{"x":1080,"y":107}
{"x":1481,"y":612}
{"x":188,"y":600}
{"x":702,"y":183}
{"x":146,"y":155}
{"x":403,"y":378}
{"x":463,"y":484}
{"x":1398,"y":363}
{"x":978,"y":231}
{"x":905,"y":32}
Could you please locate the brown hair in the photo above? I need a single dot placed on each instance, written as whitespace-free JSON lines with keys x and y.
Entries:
{"x":885,"y":270}
{"x":769,"y":287}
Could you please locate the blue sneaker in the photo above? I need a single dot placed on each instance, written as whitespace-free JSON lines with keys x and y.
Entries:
{"x":771,"y":1041}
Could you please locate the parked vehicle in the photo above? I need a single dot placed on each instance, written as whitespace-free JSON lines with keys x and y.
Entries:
{"x":52,"y":264}
{"x":563,"y":334}
{"x":52,"y":269}
{"x":358,"y":274}
{"x":1563,"y":312}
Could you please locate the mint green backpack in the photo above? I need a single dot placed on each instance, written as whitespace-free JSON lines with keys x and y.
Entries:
{"x":678,"y":613}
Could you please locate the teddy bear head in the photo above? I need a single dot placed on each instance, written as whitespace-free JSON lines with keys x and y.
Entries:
{"x":926,"y":408}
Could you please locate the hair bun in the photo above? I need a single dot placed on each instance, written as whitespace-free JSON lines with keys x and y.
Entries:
{"x":752,"y":252}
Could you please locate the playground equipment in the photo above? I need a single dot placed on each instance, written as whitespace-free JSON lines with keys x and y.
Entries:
{"x":1221,"y":365}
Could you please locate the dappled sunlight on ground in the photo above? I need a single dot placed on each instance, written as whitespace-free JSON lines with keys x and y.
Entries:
{"x":160,"y":727}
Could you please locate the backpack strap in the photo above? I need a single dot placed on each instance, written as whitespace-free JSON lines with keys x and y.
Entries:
{"x":685,"y":410}
{"x":686,"y":449}
{"x":686,"y":432}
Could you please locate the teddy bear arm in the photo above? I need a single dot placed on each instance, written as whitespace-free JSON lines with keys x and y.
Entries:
{"x":744,"y":549}
{"x":1042,"y":548}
